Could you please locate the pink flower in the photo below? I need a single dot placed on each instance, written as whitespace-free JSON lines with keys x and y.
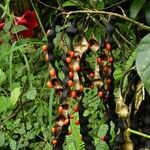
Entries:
{"x":2,"y":25}
{"x":28,"y":20}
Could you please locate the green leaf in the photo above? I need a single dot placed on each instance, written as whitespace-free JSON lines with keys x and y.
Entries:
{"x":147,"y":13}
{"x":143,"y":61}
{"x":136,"y":7}
{"x":100,"y":5}
{"x":4,"y":104}
{"x":31,"y":94}
{"x":14,"y":96}
{"x":7,"y":26}
{"x":12,"y":144}
{"x":86,"y":113}
{"x":99,"y":33}
{"x":2,"y":139}
{"x":18,"y":28}
{"x":68,"y":3}
{"x":2,"y":77}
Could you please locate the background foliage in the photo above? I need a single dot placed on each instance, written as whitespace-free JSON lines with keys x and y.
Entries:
{"x":25,"y":107}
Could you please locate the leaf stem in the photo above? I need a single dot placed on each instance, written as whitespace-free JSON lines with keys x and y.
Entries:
{"x":138,"y":133}
{"x":140,"y":25}
{"x":51,"y":98}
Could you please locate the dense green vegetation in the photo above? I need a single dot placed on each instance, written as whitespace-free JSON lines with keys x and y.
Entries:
{"x":30,"y":105}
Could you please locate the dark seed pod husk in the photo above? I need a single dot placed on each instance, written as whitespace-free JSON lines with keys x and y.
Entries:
{"x":51,"y":34}
{"x":107,"y":137}
{"x":65,"y":81}
{"x":51,"y":58}
{"x":147,"y":121}
{"x":84,"y":130}
{"x":63,"y":58}
{"x":50,"y":47}
{"x":89,"y":147}
{"x":65,"y":93}
{"x":72,"y":30}
{"x":65,"y":70}
{"x":121,"y":124}
{"x":119,"y":138}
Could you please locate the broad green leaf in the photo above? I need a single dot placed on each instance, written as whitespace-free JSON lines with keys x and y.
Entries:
{"x":18,"y":28}
{"x":2,"y":77}
{"x":100,"y":5}
{"x":13,"y":144}
{"x":136,"y":7}
{"x":4,"y":104}
{"x":99,"y":33}
{"x":7,"y":26}
{"x":86,"y":113}
{"x":143,"y":61}
{"x":14,"y":96}
{"x":31,"y":94}
{"x":2,"y":139}
{"x":147,"y":13}
{"x":68,"y":3}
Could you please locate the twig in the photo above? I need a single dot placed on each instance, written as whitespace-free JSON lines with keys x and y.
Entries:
{"x":116,"y":4}
{"x":123,"y":37}
{"x":138,"y":133}
{"x":48,"y":5}
{"x":140,"y":25}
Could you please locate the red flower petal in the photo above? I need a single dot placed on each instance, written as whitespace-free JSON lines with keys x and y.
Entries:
{"x":26,"y":34}
{"x":2,"y":25}
{"x":28,"y":20}
{"x":20,"y":21}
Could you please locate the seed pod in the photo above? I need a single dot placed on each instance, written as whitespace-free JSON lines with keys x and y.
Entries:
{"x":51,"y":58}
{"x":119,"y":138}
{"x":65,"y":70}
{"x":51,"y":34}
{"x":72,"y":30}
{"x":50,"y":47}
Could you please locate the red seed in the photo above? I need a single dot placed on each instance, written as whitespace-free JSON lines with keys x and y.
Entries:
{"x":71,"y":74}
{"x":54,"y":142}
{"x":77,"y":122}
{"x":108,"y":46}
{"x":99,"y":60}
{"x":81,"y":88}
{"x":108,"y":81}
{"x":52,"y":73}
{"x":71,"y":116}
{"x":102,"y":138}
{"x":66,"y":122}
{"x":71,"y":67}
{"x":91,"y":74}
{"x":70,"y":83}
{"x":71,"y":53}
{"x":49,"y":84}
{"x":78,"y":68}
{"x":73,"y":94}
{"x":53,"y":130}
{"x":76,"y":108}
{"x":60,"y":109}
{"x":100,"y":94}
{"x":68,"y":60}
{"x":110,"y":60}
{"x":44,"y":48}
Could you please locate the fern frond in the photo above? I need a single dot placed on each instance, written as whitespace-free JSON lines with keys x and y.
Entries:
{"x":73,"y":141}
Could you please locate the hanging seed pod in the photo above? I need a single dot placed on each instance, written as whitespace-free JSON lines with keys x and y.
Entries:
{"x":72,"y":30}
{"x":51,"y":34}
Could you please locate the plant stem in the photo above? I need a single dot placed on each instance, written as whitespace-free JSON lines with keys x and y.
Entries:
{"x":51,"y":98}
{"x":138,"y":133}
{"x":140,"y":25}
{"x":38,"y":19}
